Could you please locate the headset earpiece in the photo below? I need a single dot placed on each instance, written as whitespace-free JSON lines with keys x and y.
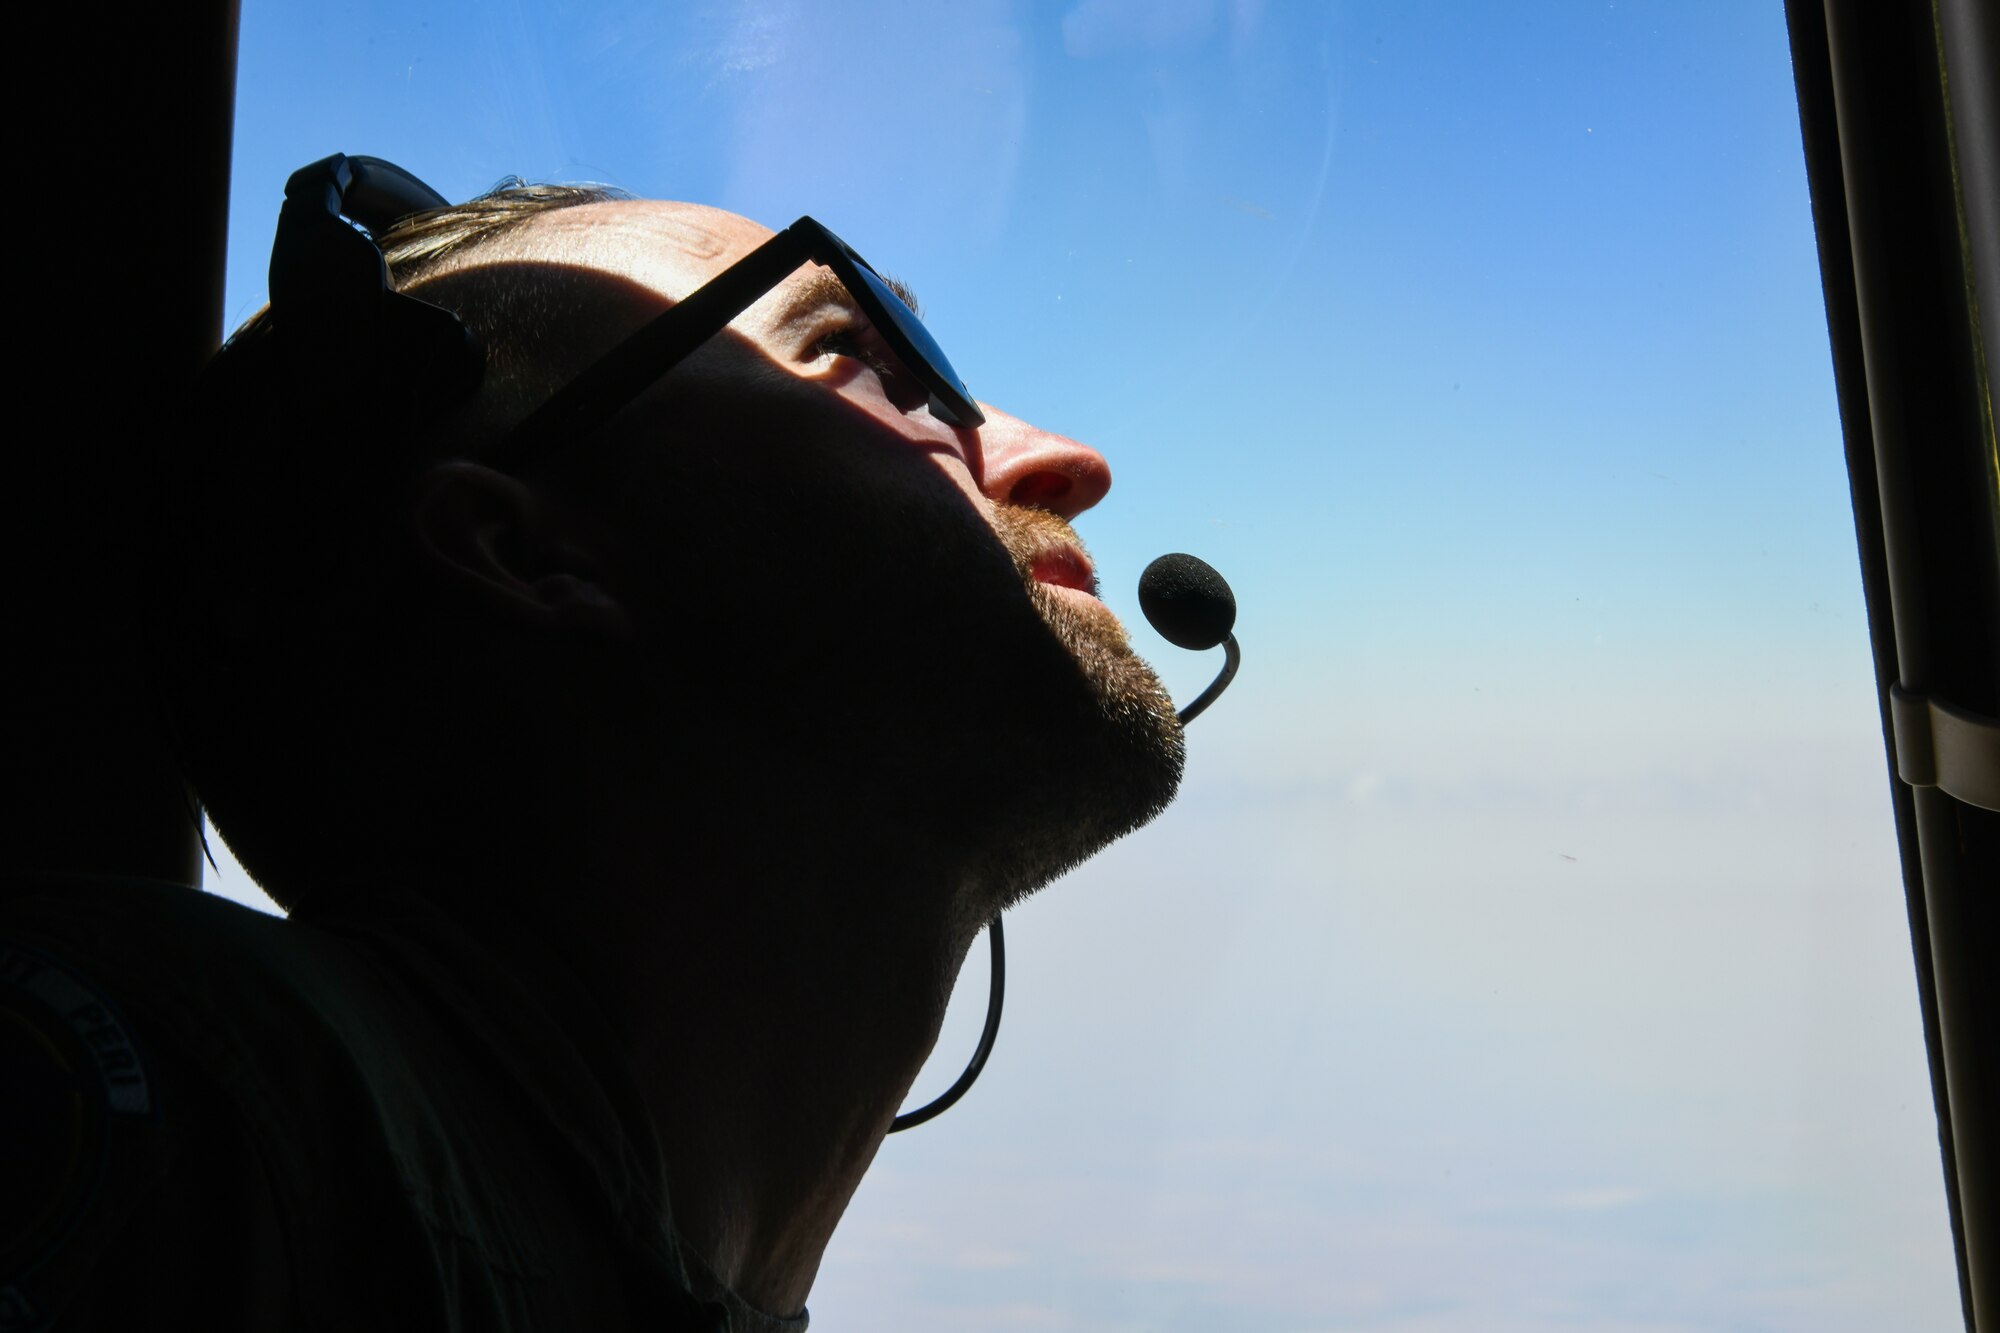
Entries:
{"x":332,"y":308}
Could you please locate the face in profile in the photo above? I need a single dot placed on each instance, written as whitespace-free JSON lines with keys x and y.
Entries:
{"x":830,"y":580}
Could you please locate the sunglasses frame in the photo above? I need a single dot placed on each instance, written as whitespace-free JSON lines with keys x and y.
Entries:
{"x":603,"y":388}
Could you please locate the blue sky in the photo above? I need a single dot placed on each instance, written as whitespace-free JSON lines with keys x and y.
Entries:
{"x":1526,"y":950}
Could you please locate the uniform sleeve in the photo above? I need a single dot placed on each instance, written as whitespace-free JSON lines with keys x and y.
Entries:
{"x":134,"y":1198}
{"x":203,"y":1247}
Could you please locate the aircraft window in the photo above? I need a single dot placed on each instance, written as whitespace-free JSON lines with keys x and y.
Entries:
{"x":1526,"y":949}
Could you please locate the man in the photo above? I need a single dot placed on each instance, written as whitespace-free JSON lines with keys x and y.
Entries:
{"x":636,"y":802}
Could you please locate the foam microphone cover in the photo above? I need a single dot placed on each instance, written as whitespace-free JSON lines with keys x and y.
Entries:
{"x":1187,"y":602}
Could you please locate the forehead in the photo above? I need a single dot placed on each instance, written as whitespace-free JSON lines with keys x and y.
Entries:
{"x":670,"y":248}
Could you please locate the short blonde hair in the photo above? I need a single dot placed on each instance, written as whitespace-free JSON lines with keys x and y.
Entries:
{"x":270,"y":604}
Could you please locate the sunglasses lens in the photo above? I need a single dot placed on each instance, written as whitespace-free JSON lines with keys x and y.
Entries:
{"x":914,"y":333}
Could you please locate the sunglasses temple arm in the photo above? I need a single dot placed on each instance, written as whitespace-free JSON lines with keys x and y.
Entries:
{"x":623,"y":373}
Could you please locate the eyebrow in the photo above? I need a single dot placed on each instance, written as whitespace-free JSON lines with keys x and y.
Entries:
{"x":904,"y":293}
{"x":823,"y":288}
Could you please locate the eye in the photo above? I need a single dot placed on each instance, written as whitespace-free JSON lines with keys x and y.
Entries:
{"x":861,"y":343}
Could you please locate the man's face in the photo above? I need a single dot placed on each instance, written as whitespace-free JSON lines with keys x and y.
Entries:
{"x":861,"y":589}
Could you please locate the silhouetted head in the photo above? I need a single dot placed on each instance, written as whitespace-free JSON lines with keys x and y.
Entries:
{"x":774,"y":595}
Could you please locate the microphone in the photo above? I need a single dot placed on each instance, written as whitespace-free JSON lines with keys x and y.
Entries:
{"x":1191,"y":607}
{"x":1187,"y":601}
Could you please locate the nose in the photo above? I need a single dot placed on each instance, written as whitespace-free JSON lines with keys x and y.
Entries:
{"x":1024,"y":465}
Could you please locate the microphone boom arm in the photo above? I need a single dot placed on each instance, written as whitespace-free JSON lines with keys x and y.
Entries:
{"x":1233,"y":658}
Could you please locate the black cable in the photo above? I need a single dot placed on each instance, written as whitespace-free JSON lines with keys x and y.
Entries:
{"x":996,"y":991}
{"x":1231,"y":659}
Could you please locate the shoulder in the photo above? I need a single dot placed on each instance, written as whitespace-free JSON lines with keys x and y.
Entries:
{"x":173,"y":1072}
{"x":137,"y":936}
{"x":123,"y":960}
{"x":130,"y":1217}
{"x":242,"y":1122}
{"x":126,"y":983}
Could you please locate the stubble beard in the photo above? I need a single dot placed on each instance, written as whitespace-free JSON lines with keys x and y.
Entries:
{"x":1120,"y":746}
{"x":1007,"y":729}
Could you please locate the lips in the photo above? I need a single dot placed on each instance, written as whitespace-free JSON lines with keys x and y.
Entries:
{"x":1047,"y":553}
{"x":1065,"y":567}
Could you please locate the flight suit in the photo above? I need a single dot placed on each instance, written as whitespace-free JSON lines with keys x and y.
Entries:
{"x":352,"y":1119}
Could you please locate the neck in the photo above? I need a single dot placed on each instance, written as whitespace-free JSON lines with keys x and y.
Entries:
{"x":776,"y":997}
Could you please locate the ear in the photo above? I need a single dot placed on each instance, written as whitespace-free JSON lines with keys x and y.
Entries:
{"x":493,"y":543}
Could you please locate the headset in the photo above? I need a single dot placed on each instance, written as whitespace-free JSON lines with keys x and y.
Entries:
{"x":341,"y":326}
{"x":332,"y":308}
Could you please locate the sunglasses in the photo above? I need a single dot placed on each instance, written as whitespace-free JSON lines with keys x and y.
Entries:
{"x":604,"y":387}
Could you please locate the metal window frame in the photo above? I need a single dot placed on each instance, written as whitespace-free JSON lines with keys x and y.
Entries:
{"x":1897,"y":107}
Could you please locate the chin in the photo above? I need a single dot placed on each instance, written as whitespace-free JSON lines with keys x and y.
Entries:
{"x":1113,"y":762}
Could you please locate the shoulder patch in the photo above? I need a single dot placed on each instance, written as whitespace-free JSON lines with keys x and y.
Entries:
{"x":96,"y":1031}
{"x":71,"y":1068}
